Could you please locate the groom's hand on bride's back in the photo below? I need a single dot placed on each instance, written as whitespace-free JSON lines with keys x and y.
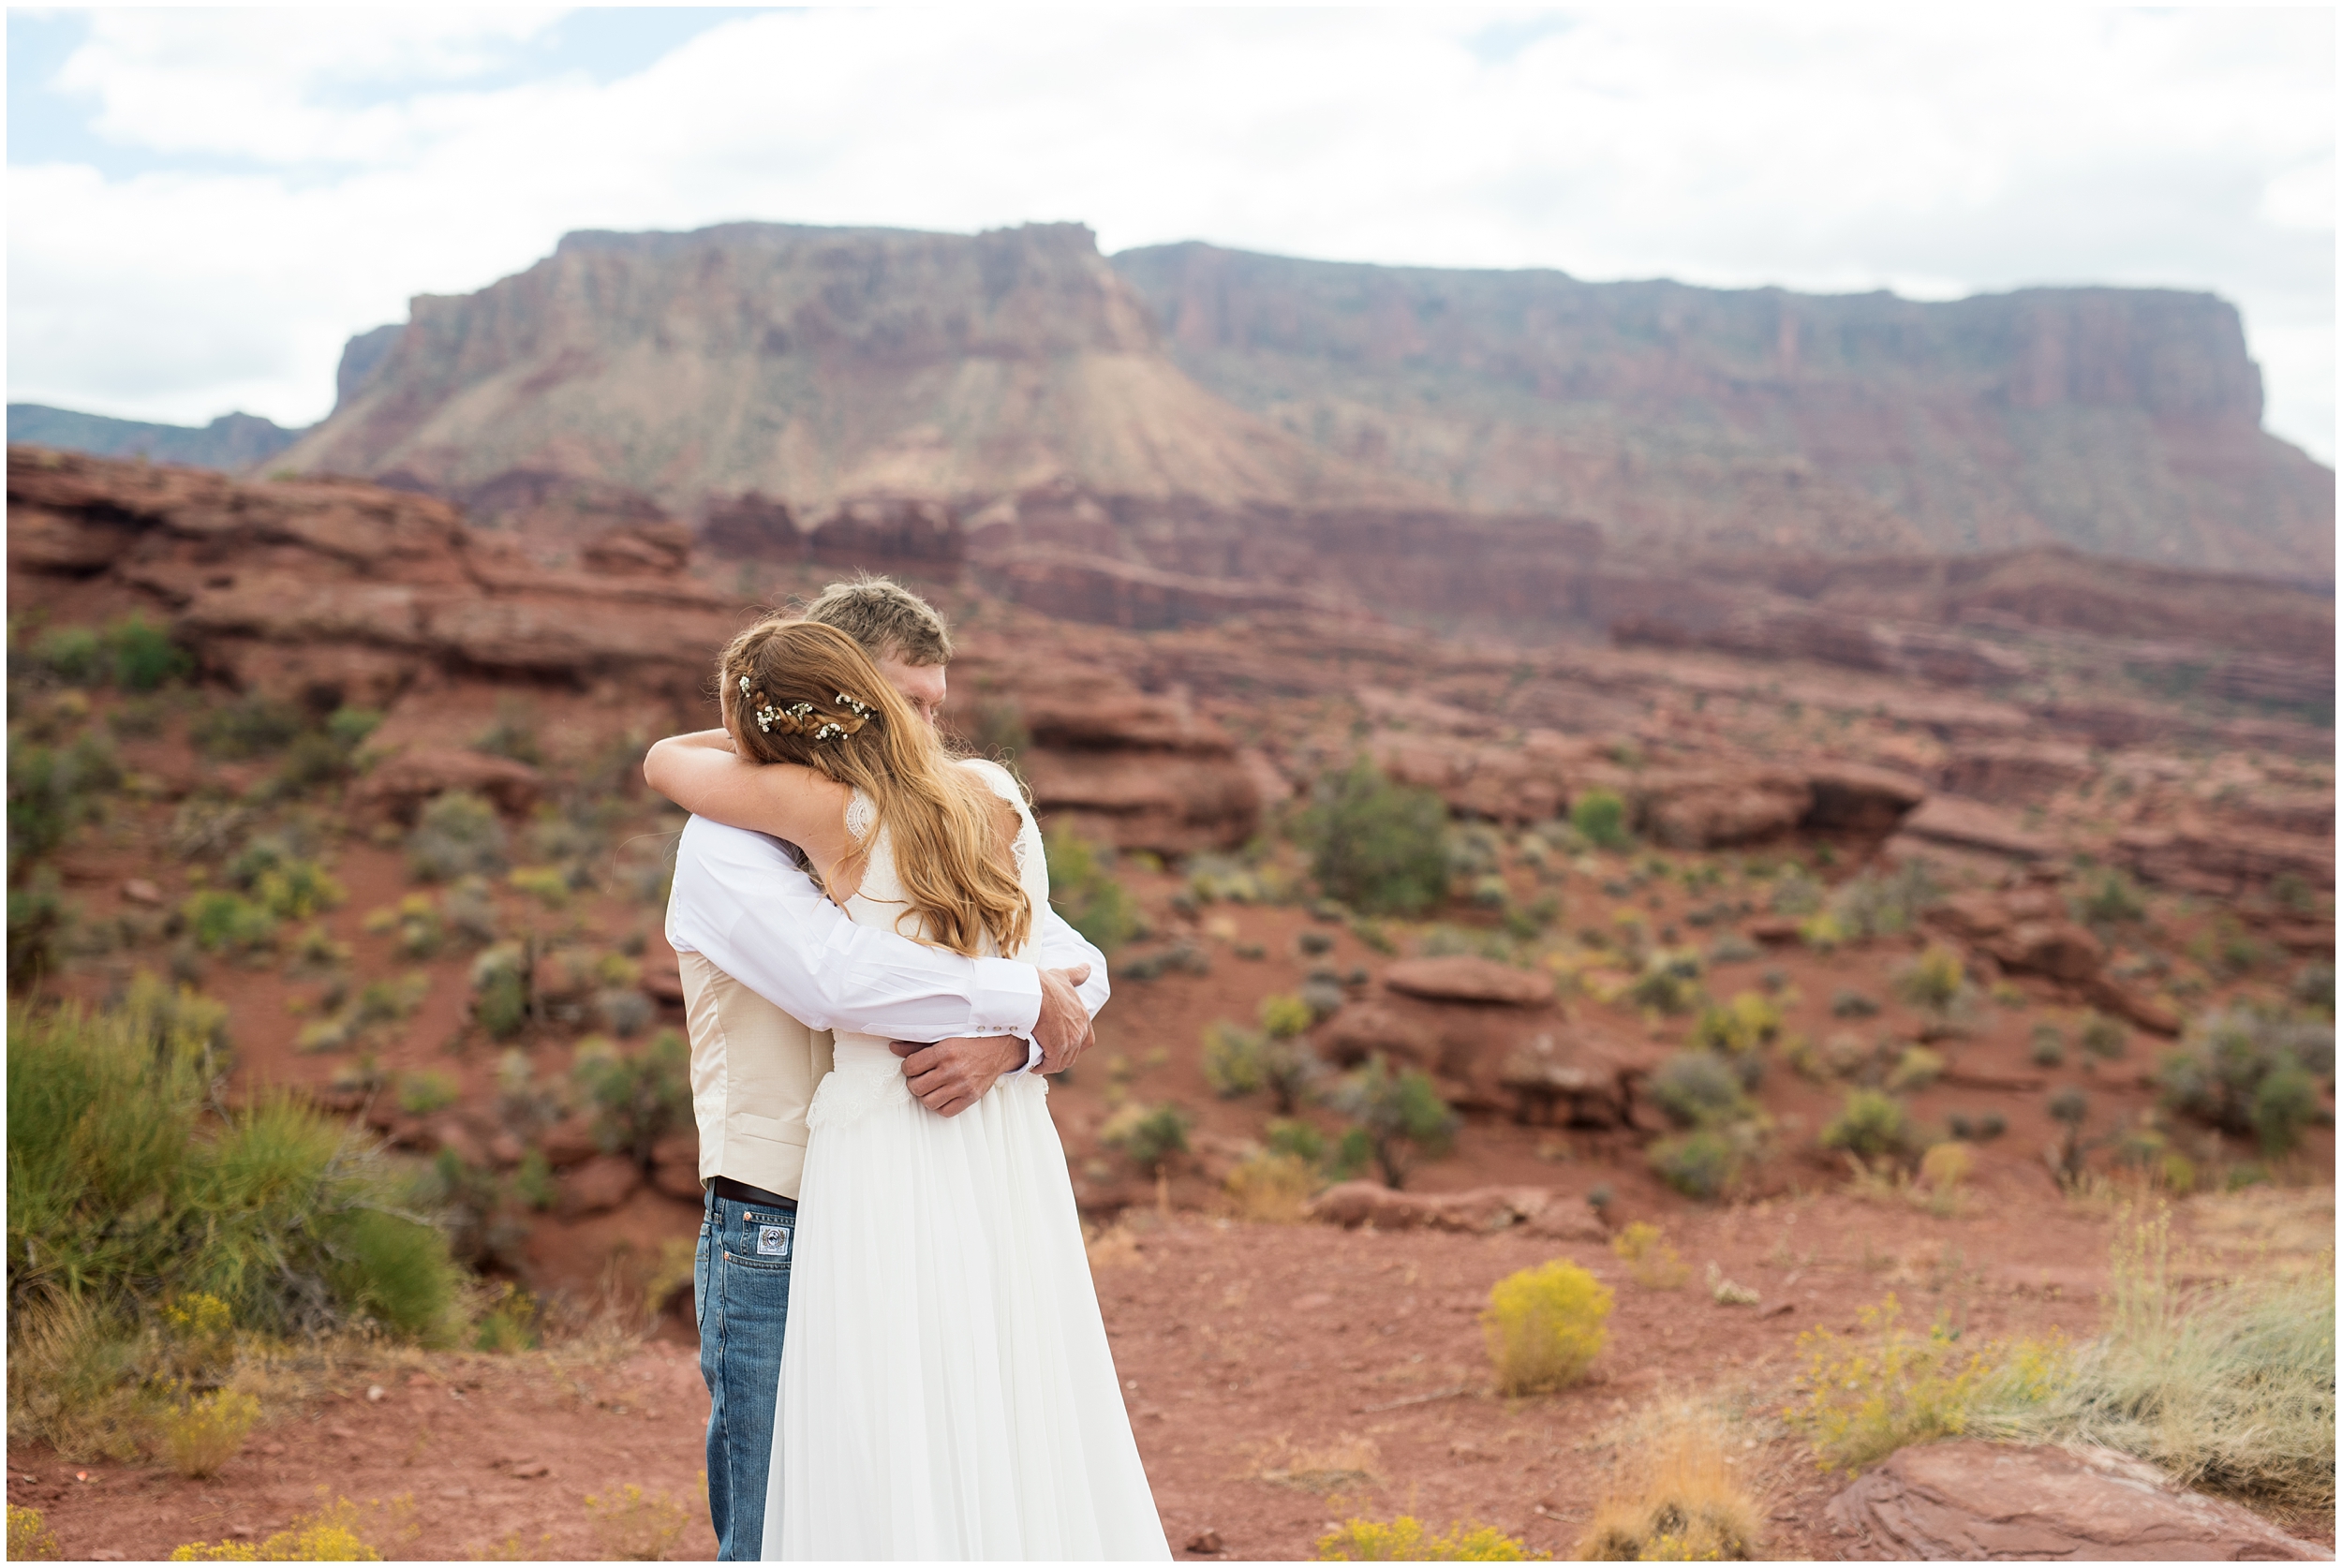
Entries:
{"x":949,"y":1076}
{"x":1063,"y":1030}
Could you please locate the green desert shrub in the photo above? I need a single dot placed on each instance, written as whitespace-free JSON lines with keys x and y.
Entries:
{"x":1741,"y":1027}
{"x":1378,"y":847}
{"x":2049,"y":1046}
{"x":1872,"y":1124}
{"x":1697,"y":1089}
{"x":500,"y":982}
{"x":1083,"y":888}
{"x":1400,"y":1112}
{"x":220,"y":921}
{"x":1148,"y":1135}
{"x":2109,"y":900}
{"x":54,"y":790}
{"x":132,"y":653}
{"x":1670,"y":983}
{"x":1701,"y":1163}
{"x":2250,"y":1073}
{"x":250,"y":726}
{"x":1232,"y":1059}
{"x":1884,"y":904}
{"x":127,"y":1190}
{"x":636,"y":1099}
{"x":1933,"y":980}
{"x":456,"y":834}
{"x":1600,"y":818}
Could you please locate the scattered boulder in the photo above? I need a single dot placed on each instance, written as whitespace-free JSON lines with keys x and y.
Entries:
{"x":638,"y":550}
{"x":1480,"y":1212}
{"x":570,"y":1142}
{"x":1854,"y":797}
{"x":675,"y":1165}
{"x":598,"y":1184}
{"x":1973,"y":825}
{"x":1970,"y":1500}
{"x":402,"y":784}
{"x":1706,"y":810}
{"x":1593,"y":1079}
{"x":2059,"y":949}
{"x":662,"y":981}
{"x":1364,"y":1030}
{"x":1466,"y":978}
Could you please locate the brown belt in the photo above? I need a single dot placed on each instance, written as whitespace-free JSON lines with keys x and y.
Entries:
{"x":741,"y":1193}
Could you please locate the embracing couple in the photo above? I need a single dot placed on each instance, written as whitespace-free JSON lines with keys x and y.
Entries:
{"x":901,"y":1341}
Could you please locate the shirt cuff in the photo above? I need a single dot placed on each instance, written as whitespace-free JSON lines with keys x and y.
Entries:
{"x":1008,"y":997}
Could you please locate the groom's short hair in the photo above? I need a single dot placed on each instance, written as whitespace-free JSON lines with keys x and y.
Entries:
{"x":886,"y":618}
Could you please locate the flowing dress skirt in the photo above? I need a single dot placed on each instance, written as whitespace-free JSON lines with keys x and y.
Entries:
{"x":946,"y":1389}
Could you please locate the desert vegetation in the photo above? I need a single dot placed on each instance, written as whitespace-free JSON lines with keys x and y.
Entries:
{"x":1496,"y":1060}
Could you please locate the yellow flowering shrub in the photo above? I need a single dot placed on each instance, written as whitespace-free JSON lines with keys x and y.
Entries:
{"x":1860,"y":1398}
{"x":1544,"y":1325}
{"x":1407,"y":1539}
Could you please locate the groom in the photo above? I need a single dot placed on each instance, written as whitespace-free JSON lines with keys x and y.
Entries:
{"x":770,"y":967}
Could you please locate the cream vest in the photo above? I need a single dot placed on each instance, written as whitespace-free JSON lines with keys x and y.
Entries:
{"x":753,"y":1073}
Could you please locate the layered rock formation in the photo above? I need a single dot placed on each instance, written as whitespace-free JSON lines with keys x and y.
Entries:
{"x":1221,"y":416}
{"x":809,"y":365}
{"x":2123,"y":421}
{"x":231,"y":441}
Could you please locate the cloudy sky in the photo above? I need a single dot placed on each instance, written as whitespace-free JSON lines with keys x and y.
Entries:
{"x":204,"y":205}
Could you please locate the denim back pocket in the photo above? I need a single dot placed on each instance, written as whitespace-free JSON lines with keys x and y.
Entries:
{"x":766,"y":1237}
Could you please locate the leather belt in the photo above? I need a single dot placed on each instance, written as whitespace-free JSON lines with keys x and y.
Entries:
{"x":741,"y":1193}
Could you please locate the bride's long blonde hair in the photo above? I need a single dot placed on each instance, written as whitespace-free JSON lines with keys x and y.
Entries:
{"x":799,"y":691}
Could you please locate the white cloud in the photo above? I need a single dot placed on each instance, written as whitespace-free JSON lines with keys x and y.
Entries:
{"x":374,"y":155}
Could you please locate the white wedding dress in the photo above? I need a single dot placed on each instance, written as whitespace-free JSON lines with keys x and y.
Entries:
{"x":946,"y":1390}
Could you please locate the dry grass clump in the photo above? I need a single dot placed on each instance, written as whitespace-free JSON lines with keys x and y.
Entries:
{"x":1113,"y":1246}
{"x":1335,"y":1465}
{"x":2229,"y":1384}
{"x":1675,"y":1498}
{"x":1271,"y":1189}
{"x":1407,"y":1539}
{"x":1544,"y":1325}
{"x":1652,"y":1259}
{"x":204,"y":1433}
{"x":635,"y":1526}
{"x":73,"y":1382}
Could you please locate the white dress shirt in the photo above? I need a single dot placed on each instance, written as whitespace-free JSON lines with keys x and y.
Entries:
{"x":742,"y":900}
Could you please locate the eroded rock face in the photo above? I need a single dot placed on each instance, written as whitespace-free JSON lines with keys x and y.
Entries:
{"x":1711,"y":810}
{"x":327,"y":591}
{"x":1136,"y":770}
{"x":2225,"y":861}
{"x":403,"y":783}
{"x":1967,"y":1501}
{"x":1974,"y":826}
{"x":2019,"y":772}
{"x":1465,"y":979}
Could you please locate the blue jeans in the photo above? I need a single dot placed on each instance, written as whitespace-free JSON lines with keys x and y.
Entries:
{"x":740,"y":1291}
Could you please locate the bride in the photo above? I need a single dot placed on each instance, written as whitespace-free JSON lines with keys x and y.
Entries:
{"x":946,"y":1389}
